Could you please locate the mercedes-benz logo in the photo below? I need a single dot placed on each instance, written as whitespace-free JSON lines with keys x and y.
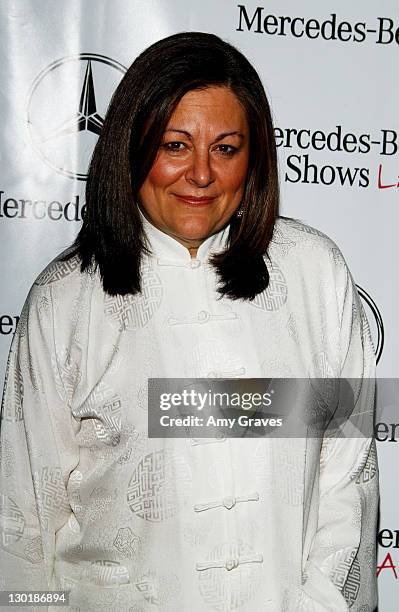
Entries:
{"x":378,"y":331}
{"x":66,"y":107}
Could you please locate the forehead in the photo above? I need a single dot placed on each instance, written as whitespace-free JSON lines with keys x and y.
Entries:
{"x":213,"y":106}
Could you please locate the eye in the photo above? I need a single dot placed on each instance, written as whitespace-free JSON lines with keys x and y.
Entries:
{"x":227,"y":150}
{"x":174,"y":147}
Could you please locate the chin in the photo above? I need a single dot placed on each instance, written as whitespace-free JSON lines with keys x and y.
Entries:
{"x":194,"y":229}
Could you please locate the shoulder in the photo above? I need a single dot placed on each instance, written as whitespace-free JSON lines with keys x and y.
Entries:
{"x":57,"y":287}
{"x":305,"y":243}
{"x":301,"y":233}
{"x":64,"y":269}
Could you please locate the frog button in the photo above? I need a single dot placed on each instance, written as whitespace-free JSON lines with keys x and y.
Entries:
{"x":231,"y":564}
{"x":229,"y":502}
{"x":203,"y":316}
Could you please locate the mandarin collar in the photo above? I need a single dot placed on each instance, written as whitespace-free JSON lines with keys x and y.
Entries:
{"x":165,"y":247}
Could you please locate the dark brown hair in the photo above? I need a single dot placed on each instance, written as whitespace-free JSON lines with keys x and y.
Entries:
{"x":111,"y":236}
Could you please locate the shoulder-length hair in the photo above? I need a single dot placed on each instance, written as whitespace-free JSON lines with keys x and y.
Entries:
{"x":112,"y":235}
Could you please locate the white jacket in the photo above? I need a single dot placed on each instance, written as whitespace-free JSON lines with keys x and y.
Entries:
{"x":92,"y":505}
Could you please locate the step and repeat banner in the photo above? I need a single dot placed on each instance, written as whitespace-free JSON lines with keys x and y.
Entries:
{"x":330,"y":72}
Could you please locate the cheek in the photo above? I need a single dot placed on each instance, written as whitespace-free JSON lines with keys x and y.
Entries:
{"x":234,"y":177}
{"x":163,"y":173}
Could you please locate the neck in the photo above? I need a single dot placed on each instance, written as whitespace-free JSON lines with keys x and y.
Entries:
{"x":193,"y":251}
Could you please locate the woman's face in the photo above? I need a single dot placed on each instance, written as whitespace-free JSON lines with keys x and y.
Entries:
{"x":198,"y":177}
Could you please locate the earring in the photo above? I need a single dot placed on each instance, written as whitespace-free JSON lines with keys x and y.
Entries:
{"x":239,"y":212}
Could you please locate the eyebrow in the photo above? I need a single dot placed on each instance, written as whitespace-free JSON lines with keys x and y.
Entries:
{"x":219,"y":137}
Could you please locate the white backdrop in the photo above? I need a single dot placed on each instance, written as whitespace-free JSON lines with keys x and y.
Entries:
{"x":330,"y":71}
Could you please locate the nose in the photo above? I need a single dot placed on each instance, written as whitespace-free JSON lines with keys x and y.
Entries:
{"x":200,"y":171}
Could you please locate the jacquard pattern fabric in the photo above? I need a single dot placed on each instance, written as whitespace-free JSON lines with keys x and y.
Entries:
{"x":90,"y":504}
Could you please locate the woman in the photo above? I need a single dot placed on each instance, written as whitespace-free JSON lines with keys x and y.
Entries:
{"x":183,"y":269}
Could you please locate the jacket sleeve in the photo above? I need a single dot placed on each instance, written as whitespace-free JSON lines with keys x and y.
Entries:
{"x":340,"y":572}
{"x":37,"y":450}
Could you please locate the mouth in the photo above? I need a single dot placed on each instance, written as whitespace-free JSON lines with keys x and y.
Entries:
{"x":195,"y":201}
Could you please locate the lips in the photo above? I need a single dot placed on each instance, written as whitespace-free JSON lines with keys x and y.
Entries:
{"x":195,"y":201}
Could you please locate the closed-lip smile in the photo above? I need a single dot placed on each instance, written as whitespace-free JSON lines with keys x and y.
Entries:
{"x":194,"y":199}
